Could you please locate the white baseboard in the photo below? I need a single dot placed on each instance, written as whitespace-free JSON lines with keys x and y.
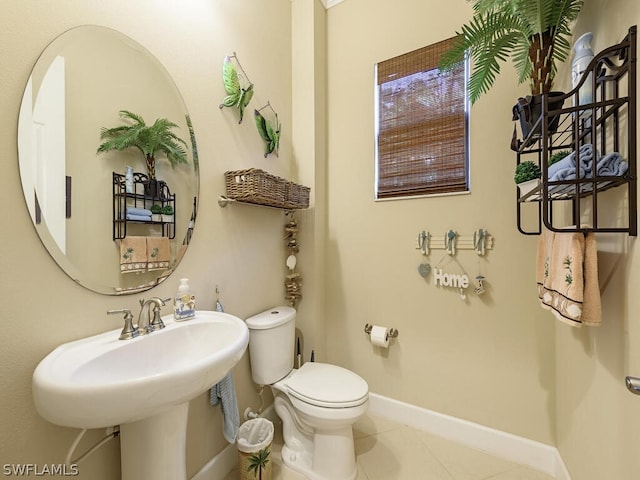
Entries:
{"x":536,"y":455}
{"x":220,"y":465}
{"x":225,"y":461}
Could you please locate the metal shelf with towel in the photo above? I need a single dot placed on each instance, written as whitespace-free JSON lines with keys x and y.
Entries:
{"x":590,"y":139}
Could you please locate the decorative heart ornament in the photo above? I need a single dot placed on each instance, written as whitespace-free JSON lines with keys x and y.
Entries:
{"x":424,"y":269}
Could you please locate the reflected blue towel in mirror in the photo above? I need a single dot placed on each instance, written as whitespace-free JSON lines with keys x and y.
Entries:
{"x":139,"y":218}
{"x":138,"y":211}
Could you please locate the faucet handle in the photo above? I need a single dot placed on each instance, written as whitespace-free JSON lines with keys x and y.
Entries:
{"x":157,"y":323}
{"x":128,"y":331}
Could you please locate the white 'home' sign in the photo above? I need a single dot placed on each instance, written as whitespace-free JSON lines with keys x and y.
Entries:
{"x":450,"y":279}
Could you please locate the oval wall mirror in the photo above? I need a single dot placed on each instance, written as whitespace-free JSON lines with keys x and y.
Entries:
{"x":94,"y":221}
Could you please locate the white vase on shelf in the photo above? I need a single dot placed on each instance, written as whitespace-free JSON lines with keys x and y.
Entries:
{"x":528,"y":186}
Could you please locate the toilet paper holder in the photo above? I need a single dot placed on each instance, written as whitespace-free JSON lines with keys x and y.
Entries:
{"x":393,"y":333}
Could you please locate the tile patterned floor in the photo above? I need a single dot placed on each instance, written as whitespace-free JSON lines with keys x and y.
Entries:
{"x":387,"y":450}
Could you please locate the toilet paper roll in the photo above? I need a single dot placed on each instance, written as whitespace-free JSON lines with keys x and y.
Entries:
{"x":380,"y":336}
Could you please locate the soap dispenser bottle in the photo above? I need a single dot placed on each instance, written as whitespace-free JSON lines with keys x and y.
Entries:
{"x":184,"y":306}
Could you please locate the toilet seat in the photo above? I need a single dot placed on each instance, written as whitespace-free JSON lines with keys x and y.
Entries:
{"x":325,"y":385}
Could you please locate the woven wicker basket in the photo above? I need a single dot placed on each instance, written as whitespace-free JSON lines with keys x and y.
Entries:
{"x":256,"y":186}
{"x":297,"y":196}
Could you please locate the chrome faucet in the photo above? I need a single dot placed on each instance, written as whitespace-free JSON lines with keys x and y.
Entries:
{"x":147,"y":325}
{"x":128,"y":331}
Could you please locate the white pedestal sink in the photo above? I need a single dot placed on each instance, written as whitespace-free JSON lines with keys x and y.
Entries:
{"x":143,"y":384}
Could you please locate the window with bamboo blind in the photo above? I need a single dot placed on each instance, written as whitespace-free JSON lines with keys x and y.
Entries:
{"x":421,"y":125}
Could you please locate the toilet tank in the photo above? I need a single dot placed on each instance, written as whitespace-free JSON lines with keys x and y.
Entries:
{"x":271,"y":344}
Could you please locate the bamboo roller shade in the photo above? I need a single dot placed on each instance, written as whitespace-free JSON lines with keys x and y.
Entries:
{"x":422,"y":125}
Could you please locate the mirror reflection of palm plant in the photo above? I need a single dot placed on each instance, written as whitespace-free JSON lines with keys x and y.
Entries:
{"x":258,"y":462}
{"x":149,"y":139}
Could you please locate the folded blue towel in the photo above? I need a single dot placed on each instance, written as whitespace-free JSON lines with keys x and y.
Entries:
{"x":224,"y":394}
{"x":565,"y":169}
{"x":138,"y":211}
{"x":140,"y":218}
{"x":569,"y":174}
{"x":586,"y":157}
{"x":568,"y":162}
{"x":611,"y":165}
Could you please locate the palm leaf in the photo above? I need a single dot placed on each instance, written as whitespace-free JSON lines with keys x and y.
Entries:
{"x":502,"y":29}
{"x":258,"y":461}
{"x":123,"y":136}
{"x":489,"y":37}
{"x":149,"y":140}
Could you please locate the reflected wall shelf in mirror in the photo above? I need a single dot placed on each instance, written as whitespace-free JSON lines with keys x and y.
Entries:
{"x":597,"y":128}
{"x":128,"y":206}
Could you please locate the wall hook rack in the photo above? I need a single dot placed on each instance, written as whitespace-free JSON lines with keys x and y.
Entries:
{"x":423,"y":242}
{"x":451,"y":241}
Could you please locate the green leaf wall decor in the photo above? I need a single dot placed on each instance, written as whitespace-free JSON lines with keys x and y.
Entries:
{"x":269,"y":132}
{"x":238,"y":96}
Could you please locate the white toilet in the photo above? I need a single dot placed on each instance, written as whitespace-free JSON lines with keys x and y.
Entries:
{"x":317,"y":403}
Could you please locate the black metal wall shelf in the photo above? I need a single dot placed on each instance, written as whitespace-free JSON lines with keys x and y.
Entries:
{"x":137,"y":198}
{"x":609,"y":124}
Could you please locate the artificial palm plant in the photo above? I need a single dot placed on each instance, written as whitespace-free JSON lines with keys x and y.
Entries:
{"x":150,"y":140}
{"x":534,"y":33}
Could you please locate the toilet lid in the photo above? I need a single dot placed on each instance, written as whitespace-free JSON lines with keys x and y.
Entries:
{"x":327,"y":385}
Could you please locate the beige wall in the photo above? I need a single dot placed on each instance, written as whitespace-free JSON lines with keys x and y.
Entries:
{"x":488,"y":359}
{"x":241,"y":249}
{"x":498,"y":360}
{"x":597,"y":418}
